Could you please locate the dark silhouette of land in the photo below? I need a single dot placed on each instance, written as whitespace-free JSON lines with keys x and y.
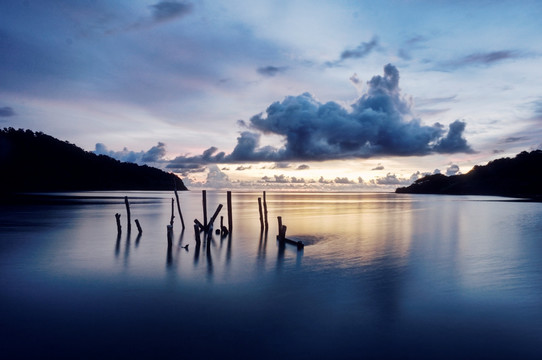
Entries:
{"x":36,"y":162}
{"x":520,"y":176}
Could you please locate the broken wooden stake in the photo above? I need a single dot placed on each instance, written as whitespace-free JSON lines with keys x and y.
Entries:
{"x":128,"y":213}
{"x":261,"y":213}
{"x":172,"y":212}
{"x":213,"y":218}
{"x":199,"y":225}
{"x":230,"y":214}
{"x":281,"y":237}
{"x":119,"y":227}
{"x":265,"y":211}
{"x":178,"y":204}
{"x":204,"y":201}
{"x":138,"y":226}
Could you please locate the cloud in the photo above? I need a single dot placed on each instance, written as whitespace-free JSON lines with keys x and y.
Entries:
{"x":361,"y":51}
{"x":378,"y":167}
{"x":6,"y":111}
{"x":169,"y":10}
{"x":154,"y":154}
{"x":454,"y":141}
{"x":513,"y":139}
{"x":392,"y":179}
{"x":242,"y":168}
{"x":303,"y":167}
{"x":409,"y":45}
{"x":343,"y":180}
{"x":380,"y":123}
{"x":452,"y":170}
{"x":270,"y":70}
{"x":483,"y":59}
{"x":280,"y":165}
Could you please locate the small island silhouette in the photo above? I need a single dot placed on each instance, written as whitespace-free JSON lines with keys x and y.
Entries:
{"x":36,"y":162}
{"x":520,"y":176}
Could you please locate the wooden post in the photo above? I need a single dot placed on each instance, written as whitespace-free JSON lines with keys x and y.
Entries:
{"x":265,"y":211}
{"x":128,"y":213}
{"x":172,"y":212}
{"x":138,"y":226}
{"x":261,"y":214}
{"x":230,"y":215}
{"x":213,"y":218}
{"x":279,"y":218}
{"x":179,"y":206}
{"x":221,"y":224}
{"x":199,"y":225}
{"x":204,"y":201}
{"x":119,"y":228}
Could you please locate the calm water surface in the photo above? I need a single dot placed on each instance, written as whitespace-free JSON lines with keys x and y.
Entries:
{"x":381,"y":276}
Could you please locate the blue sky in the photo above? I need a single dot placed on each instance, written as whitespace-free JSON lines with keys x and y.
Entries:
{"x":348,"y":95}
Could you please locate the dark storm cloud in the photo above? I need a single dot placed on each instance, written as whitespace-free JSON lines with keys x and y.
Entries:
{"x":487,"y":58}
{"x":6,"y":111}
{"x":168,"y":10}
{"x":380,"y":123}
{"x":270,"y":70}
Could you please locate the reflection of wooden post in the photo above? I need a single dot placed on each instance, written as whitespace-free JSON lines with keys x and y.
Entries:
{"x":261,"y":214}
{"x":196,"y":234}
{"x":179,"y":206}
{"x":204,"y":201}
{"x":265,"y":211}
{"x":128,"y":212}
{"x":169,"y":235}
{"x":119,"y":228}
{"x":138,"y":226}
{"x":172,"y":212}
{"x":230,"y":215}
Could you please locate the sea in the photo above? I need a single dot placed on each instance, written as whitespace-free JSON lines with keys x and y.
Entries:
{"x":380,"y":276}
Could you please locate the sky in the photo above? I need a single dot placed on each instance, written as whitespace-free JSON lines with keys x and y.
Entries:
{"x":303,"y":95}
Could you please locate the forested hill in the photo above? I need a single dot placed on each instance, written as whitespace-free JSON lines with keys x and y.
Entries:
{"x":520,"y":176}
{"x":33,"y":161}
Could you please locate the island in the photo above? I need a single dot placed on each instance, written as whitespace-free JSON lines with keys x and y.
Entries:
{"x":520,"y":176}
{"x":36,"y":162}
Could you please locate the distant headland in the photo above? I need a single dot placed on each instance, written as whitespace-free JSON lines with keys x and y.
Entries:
{"x":520,"y":176}
{"x":36,"y":162}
